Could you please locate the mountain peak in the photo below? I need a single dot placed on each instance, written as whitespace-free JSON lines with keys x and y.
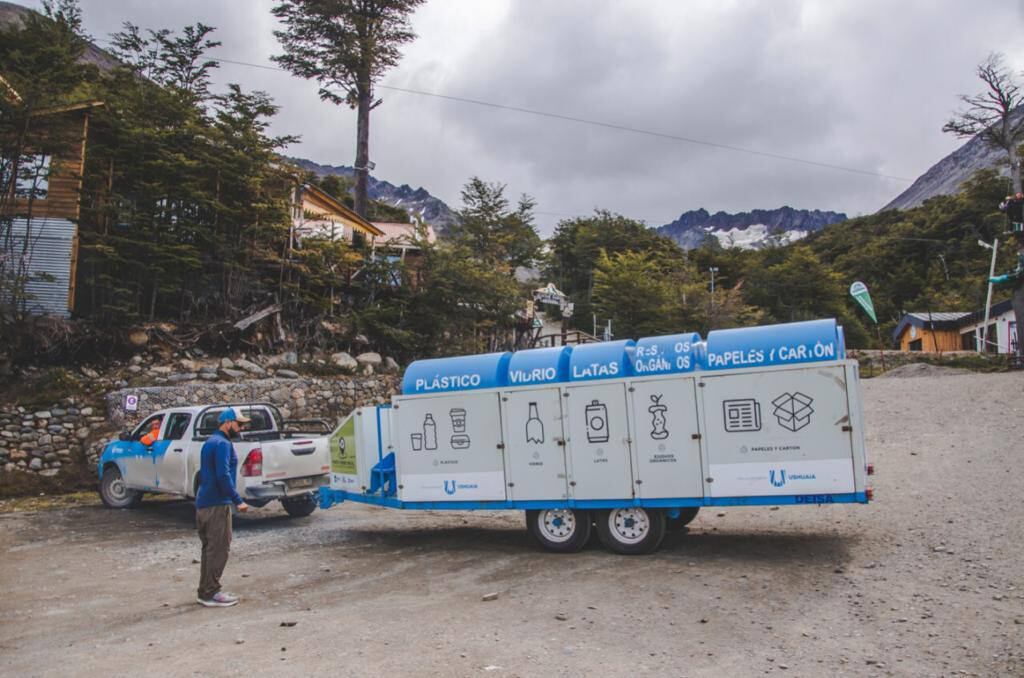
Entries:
{"x":748,"y":230}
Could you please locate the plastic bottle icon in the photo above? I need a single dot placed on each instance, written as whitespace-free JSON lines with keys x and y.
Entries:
{"x":597,"y":422}
{"x":429,"y":433}
{"x":534,"y":426}
{"x":658,"y":420}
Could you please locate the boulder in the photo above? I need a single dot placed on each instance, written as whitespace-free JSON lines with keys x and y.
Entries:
{"x":344,"y":361}
{"x":250,"y":367}
{"x":234,"y":374}
{"x":369,"y":358}
{"x":182,"y":376}
{"x":360,"y":340}
{"x":286,"y":358}
{"x":287,"y":374}
{"x":227,"y":363}
{"x":138,"y":338}
{"x":36,"y":464}
{"x":389,"y":366}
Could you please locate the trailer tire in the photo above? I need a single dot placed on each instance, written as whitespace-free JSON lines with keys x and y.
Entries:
{"x":301,"y":506}
{"x":560,"y":530}
{"x":114,"y":492}
{"x":632,"y":530}
{"x":687,"y":514}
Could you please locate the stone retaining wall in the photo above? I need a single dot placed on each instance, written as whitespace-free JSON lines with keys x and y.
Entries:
{"x":45,"y":440}
{"x":299,"y":398}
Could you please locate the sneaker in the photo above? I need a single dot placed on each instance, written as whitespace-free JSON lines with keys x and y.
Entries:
{"x":220,"y":599}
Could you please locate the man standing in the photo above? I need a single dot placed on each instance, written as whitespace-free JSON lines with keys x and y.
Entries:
{"x":218,"y":468}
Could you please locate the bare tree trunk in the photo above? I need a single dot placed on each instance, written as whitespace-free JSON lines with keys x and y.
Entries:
{"x":362,"y":149}
{"x":1018,"y":312}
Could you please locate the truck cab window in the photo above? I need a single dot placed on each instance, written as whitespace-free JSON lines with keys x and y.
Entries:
{"x":177,"y":425}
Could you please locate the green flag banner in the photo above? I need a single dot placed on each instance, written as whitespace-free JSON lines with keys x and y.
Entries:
{"x":859,"y":291}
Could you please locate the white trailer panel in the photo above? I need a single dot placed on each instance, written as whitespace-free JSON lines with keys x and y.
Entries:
{"x":535,"y":444}
{"x":599,"y":443}
{"x":667,"y":438}
{"x":449,"y":447}
{"x":778,"y":432}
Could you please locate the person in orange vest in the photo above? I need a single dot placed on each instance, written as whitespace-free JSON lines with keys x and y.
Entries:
{"x":153,"y":435}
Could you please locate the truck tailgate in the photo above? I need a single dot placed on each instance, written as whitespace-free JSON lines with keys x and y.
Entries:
{"x":295,"y":458}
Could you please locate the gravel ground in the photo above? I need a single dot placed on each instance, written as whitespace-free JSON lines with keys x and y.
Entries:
{"x":925,"y":581}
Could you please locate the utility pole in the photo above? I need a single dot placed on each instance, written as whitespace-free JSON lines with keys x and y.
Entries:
{"x":711,"y":311}
{"x":983,"y":347}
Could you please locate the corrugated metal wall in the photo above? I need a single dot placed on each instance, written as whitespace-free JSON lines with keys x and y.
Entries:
{"x":50,"y":249}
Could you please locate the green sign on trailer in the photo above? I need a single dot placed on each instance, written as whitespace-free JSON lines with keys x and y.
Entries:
{"x":859,"y":291}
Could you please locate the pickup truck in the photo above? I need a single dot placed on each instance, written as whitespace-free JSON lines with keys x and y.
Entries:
{"x":278,"y":460}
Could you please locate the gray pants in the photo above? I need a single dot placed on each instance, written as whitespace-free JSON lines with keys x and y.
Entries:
{"x":214,"y":525}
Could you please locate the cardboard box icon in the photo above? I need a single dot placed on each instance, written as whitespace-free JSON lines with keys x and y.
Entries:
{"x":793,"y":410}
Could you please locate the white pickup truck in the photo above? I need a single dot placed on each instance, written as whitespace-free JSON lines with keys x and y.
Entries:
{"x":278,"y":460}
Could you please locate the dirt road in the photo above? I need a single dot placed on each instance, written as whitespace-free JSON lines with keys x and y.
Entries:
{"x":926,"y":581}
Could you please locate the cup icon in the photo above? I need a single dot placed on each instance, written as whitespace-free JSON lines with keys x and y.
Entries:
{"x":458,"y":416}
{"x":417,"y":441}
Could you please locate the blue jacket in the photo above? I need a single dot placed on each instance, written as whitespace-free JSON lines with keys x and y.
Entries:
{"x":218,"y":468}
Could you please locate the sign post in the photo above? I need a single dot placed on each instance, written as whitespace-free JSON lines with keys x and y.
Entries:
{"x":860,"y":294}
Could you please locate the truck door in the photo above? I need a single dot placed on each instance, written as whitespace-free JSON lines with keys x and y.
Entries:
{"x":172,"y":458}
{"x":599,"y":444}
{"x":778,"y":432}
{"x":534,"y":444}
{"x":140,"y":464}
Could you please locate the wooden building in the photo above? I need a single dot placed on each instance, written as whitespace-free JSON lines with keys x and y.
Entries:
{"x":42,"y":183}
{"x":318,"y":214}
{"x":932,"y":332}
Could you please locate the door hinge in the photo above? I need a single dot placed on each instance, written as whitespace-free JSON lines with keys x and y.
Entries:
{"x":500,"y":446}
{"x":695,"y":436}
{"x":847,"y":428}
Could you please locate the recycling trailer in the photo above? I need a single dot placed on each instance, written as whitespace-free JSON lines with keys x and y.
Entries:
{"x":628,"y":438}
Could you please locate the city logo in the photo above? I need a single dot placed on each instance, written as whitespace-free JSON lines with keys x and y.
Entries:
{"x":779,"y":480}
{"x":449,"y":487}
{"x":793,"y":410}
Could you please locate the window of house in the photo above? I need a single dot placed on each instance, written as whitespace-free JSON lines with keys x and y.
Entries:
{"x":915,"y":345}
{"x":358,"y":239}
{"x":33,"y":177}
{"x":969,"y":341}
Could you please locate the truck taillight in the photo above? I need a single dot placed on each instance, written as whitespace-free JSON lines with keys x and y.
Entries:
{"x":869,"y":494}
{"x":871,"y":469}
{"x":253,"y":465}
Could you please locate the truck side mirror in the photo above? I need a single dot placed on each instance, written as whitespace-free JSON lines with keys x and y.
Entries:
{"x":126,"y":436}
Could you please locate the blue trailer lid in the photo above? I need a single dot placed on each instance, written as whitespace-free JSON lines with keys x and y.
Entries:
{"x":539,"y":366}
{"x":669,"y":354}
{"x":791,"y":343}
{"x":605,"y":360}
{"x":463,"y":373}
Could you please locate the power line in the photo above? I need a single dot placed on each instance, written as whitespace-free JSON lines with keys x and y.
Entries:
{"x":607,"y":125}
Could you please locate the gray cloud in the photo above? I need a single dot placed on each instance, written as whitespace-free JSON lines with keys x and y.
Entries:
{"x":863,"y":84}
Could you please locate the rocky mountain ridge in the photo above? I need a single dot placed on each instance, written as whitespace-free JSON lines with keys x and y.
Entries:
{"x":748,"y":230}
{"x":946,"y":176}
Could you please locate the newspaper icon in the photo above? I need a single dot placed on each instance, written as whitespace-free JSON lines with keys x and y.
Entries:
{"x":742,"y":415}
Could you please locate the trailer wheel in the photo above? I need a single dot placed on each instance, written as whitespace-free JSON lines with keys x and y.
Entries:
{"x":686,"y":516}
{"x":631,"y":531}
{"x":115,"y":493}
{"x":560,"y":530}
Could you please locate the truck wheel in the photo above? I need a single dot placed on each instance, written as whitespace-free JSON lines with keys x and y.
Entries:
{"x":115,"y":493}
{"x":301,"y":506}
{"x":560,"y":530}
{"x":686,"y":516}
{"x":631,"y":531}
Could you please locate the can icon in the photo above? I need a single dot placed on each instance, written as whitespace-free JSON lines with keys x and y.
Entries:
{"x":597,"y":422}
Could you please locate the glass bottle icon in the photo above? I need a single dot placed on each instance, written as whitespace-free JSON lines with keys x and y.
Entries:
{"x":429,"y":433}
{"x":534,"y":426}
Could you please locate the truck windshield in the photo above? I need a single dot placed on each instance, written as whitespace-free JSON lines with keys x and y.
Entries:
{"x":261,"y":420}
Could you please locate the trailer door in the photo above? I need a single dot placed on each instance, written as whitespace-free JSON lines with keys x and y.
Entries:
{"x":778,"y":432}
{"x":666,"y":438}
{"x":534,"y":444}
{"x":599,"y":444}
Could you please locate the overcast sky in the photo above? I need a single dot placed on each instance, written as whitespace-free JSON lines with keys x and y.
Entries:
{"x":865,"y":84}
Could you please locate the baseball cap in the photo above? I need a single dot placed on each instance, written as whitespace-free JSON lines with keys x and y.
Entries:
{"x":230,"y":415}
